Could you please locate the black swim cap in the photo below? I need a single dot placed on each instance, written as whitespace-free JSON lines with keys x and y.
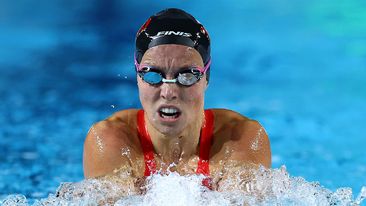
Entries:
{"x":173,"y":26}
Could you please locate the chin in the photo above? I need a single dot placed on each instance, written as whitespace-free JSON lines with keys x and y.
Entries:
{"x":170,"y":130}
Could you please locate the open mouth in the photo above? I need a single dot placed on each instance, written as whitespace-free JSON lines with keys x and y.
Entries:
{"x":169,"y":112}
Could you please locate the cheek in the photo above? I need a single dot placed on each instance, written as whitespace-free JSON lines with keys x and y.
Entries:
{"x":146,"y":92}
{"x":195,"y":95}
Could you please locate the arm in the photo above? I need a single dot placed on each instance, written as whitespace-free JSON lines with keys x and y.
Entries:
{"x":107,"y":157}
{"x":106,"y":167}
{"x":103,"y":149}
{"x":251,"y":143}
{"x":249,"y":148}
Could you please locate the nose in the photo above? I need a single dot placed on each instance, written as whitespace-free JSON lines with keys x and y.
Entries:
{"x":169,"y":91}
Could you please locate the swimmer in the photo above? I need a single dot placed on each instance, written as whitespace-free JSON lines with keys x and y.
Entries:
{"x":173,"y":131}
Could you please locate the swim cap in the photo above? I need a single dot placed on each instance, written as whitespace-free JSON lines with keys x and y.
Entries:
{"x":173,"y":26}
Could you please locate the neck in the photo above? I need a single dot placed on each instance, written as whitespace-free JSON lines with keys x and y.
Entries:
{"x":172,"y":148}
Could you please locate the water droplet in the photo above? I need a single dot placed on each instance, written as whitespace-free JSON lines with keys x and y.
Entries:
{"x":125,"y":152}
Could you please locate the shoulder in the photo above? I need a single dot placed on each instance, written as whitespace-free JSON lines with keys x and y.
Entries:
{"x":107,"y":140}
{"x":116,"y":128}
{"x":247,"y":138}
{"x":230,"y":120}
{"x":227,"y":114}
{"x":225,"y":118}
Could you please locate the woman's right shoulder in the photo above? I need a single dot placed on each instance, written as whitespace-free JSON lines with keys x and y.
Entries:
{"x":105,"y":141}
{"x":120,"y":127}
{"x":126,"y":117}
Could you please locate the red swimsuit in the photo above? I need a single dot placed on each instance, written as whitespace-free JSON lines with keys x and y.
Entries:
{"x":204,"y":153}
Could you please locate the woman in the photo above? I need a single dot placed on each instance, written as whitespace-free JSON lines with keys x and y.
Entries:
{"x":173,"y":132}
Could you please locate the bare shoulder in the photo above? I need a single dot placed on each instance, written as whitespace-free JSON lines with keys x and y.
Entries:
{"x":228,"y":115}
{"x":230,"y":120}
{"x":110,"y":144}
{"x":246,"y":138}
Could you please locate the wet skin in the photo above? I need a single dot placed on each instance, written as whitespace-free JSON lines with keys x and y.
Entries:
{"x":113,"y":143}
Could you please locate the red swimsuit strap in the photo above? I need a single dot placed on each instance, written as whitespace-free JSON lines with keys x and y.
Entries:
{"x":204,"y":151}
{"x":205,"y":144}
{"x":146,"y":144}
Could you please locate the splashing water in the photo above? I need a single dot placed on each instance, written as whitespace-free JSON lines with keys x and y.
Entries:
{"x":266,"y":187}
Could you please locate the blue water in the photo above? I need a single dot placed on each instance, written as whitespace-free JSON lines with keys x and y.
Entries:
{"x":296,"y":66}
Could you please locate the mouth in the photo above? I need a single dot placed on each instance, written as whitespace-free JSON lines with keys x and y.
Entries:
{"x":169,"y":112}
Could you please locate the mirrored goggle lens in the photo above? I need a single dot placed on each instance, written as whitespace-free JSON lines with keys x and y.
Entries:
{"x":187,"y":79}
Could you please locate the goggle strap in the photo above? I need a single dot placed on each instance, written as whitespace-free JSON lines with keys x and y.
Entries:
{"x":207,"y":66}
{"x":137,"y":65}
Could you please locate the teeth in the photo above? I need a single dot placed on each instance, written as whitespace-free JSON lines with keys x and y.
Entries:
{"x":169,"y":110}
{"x":168,"y":117}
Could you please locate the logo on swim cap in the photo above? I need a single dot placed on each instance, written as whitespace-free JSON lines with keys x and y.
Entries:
{"x":177,"y":33}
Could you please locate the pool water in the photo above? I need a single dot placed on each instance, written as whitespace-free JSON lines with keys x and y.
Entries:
{"x":297,"y":67}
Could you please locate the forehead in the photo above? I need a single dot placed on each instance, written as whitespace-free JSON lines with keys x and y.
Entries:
{"x":172,"y":55}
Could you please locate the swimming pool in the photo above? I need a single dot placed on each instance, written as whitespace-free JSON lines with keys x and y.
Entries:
{"x":297,"y":67}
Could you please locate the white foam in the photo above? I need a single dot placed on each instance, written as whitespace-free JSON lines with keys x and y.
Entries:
{"x":264,"y":187}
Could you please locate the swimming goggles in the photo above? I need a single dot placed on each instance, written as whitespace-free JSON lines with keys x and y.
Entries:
{"x":186,"y":77}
